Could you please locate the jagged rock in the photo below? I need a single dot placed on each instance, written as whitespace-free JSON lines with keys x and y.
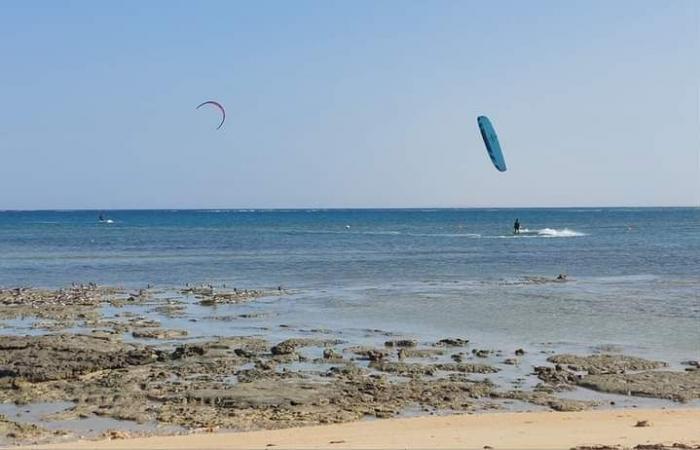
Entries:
{"x":452,"y":342}
{"x":401,"y":343}
{"x":187,"y":351}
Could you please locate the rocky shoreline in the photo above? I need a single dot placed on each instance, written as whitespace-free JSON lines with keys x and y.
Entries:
{"x":126,"y":366}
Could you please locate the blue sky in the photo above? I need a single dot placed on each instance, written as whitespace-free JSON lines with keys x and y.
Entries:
{"x":348,"y":103}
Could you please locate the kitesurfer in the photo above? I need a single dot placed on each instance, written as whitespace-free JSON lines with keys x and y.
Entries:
{"x":516,"y":227}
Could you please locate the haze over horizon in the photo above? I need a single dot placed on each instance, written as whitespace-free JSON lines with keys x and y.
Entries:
{"x":348,"y":104}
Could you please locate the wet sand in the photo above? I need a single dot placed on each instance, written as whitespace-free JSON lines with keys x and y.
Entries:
{"x":536,"y":430}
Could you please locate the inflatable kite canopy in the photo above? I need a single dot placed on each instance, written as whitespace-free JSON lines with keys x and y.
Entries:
{"x":491,"y":141}
{"x":217,"y":105}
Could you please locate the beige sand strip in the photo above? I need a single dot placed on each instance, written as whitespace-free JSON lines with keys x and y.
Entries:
{"x":541,"y":430}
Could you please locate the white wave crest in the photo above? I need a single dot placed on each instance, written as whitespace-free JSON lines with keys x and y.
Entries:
{"x":565,"y":232}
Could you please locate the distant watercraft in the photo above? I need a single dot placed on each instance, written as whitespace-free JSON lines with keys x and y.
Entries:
{"x":103,"y":220}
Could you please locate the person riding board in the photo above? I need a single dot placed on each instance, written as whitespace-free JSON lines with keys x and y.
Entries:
{"x":516,"y":227}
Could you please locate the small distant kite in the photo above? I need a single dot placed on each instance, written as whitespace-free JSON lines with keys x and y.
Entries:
{"x":218,"y":105}
{"x":491,"y":141}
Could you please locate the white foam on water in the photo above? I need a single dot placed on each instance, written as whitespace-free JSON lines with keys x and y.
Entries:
{"x":544,"y":232}
{"x":564,"y":232}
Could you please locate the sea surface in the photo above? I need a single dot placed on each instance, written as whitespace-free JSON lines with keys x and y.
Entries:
{"x":633,"y":274}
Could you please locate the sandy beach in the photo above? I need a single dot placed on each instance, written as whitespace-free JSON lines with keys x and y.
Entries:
{"x":540,"y":430}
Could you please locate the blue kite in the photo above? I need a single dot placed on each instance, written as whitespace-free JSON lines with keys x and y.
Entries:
{"x":491,"y":141}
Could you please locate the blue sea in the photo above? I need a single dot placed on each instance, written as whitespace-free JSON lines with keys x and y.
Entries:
{"x":633,"y":274}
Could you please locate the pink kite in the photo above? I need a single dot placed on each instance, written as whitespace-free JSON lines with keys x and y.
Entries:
{"x":218,"y":105}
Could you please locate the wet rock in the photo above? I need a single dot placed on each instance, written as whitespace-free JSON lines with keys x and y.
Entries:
{"x":261,"y":394}
{"x":510,"y":361}
{"x":642,"y":423}
{"x":285,"y":348}
{"x":452,"y":342}
{"x":677,"y":386}
{"x":481,"y":353}
{"x":263,"y":370}
{"x":171,"y":310}
{"x":329,"y":353}
{"x":466,"y":368}
{"x":210,"y":296}
{"x":198,"y":391}
{"x":243,"y":353}
{"x":401,"y":343}
{"x":374,"y":355}
{"x":348,"y":370}
{"x":105,"y":334}
{"x":289,"y":346}
{"x":601,"y":364}
{"x":265,"y":364}
{"x":56,"y":357}
{"x":158,"y":334}
{"x":519,"y":352}
{"x":404,"y":369}
{"x":369,"y":353}
{"x":188,"y":351}
{"x":83,"y":295}
{"x":61,"y":308}
{"x":557,"y":377}
{"x":419,"y":353}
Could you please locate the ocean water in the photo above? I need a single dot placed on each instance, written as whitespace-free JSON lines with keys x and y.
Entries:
{"x":633,"y":273}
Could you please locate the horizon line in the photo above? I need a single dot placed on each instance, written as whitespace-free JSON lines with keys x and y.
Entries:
{"x":378,"y":208}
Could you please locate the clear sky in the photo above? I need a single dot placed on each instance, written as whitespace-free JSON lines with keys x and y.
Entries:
{"x":348,"y":103}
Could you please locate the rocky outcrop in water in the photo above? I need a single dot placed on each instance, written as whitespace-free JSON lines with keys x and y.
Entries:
{"x":58,"y":357}
{"x":598,"y":364}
